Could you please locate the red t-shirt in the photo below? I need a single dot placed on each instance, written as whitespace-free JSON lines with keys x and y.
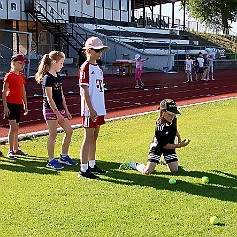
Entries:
{"x":14,"y":91}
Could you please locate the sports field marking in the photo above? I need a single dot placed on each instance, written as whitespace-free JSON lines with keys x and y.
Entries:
{"x":46,"y":132}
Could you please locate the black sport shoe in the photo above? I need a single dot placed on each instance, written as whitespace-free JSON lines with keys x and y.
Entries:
{"x":87,"y":174}
{"x":96,"y":170}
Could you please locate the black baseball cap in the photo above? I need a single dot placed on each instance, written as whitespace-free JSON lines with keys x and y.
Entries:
{"x":169,"y":105}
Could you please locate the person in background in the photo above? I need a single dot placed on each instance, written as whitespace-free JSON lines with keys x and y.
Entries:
{"x":139,"y":61}
{"x":210,"y":69}
{"x":188,"y":68}
{"x":55,"y":109}
{"x":14,"y":97}
{"x":196,"y":68}
{"x":200,"y":66}
{"x":205,"y":66}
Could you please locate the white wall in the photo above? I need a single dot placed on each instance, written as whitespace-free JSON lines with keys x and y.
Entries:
{"x":14,"y":9}
{"x":10,"y":9}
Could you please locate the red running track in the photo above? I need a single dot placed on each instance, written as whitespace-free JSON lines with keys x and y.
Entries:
{"x":123,"y":99}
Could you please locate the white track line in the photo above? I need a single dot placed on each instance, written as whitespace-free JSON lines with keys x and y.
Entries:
{"x":46,"y":132}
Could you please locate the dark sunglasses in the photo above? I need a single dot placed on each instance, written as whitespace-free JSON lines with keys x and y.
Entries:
{"x":98,"y":50}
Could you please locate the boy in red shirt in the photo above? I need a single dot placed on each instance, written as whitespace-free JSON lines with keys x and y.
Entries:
{"x":14,"y":96}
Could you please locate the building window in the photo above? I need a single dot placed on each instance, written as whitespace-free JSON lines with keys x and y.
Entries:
{"x":108,"y":4}
{"x":124,"y":5}
{"x":99,"y":3}
{"x":116,"y":4}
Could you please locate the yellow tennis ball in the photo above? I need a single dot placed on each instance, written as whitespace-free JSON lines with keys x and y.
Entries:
{"x":214,"y":220}
{"x":172,"y":181}
{"x":205,"y":179}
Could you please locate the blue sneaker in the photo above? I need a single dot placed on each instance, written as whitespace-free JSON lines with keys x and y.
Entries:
{"x":66,"y":160}
{"x":53,"y":164}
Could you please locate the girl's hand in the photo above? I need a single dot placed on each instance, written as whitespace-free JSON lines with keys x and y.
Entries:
{"x":184,"y":142}
{"x":178,"y":136}
{"x":69,"y":116}
{"x":6,"y":111}
{"x":60,"y":118}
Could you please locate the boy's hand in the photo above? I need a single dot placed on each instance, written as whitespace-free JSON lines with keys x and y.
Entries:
{"x":26,"y":111}
{"x":93,"y":115}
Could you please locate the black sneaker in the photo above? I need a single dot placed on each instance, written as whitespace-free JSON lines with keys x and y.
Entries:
{"x":87,"y":174}
{"x":96,"y":170}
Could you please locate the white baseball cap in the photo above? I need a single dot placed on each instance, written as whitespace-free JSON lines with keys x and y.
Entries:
{"x":137,"y":56}
{"x":95,"y":43}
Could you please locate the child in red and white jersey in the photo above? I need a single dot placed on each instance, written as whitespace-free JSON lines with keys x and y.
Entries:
{"x":93,"y":111}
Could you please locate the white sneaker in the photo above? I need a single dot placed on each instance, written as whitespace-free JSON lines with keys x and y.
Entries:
{"x":213,"y":79}
{"x":133,"y":165}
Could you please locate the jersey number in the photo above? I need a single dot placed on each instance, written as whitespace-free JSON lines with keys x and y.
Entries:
{"x":99,"y":84}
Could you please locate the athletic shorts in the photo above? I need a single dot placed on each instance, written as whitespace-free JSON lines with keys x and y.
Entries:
{"x":200,"y":70}
{"x":155,"y":154}
{"x":50,"y":115}
{"x":15,"y":111}
{"x":87,"y":122}
{"x":188,"y":72}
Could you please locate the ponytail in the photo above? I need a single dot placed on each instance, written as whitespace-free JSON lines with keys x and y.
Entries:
{"x":45,"y":64}
{"x":43,"y":68}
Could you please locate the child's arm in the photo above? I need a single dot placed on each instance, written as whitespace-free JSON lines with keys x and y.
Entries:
{"x":178,"y":136}
{"x":178,"y":145}
{"x":93,"y":113}
{"x":65,"y":106}
{"x":4,"y":98}
{"x":49,"y":94}
{"x":143,"y":60}
{"x":24,"y":100}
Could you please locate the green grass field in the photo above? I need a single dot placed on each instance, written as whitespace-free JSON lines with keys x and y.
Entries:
{"x":36,"y":201}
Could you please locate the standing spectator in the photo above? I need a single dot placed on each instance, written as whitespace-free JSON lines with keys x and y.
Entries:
{"x":200,"y":66}
{"x":54,"y":107}
{"x":205,"y":66}
{"x":139,"y":61}
{"x":196,"y":67}
{"x":188,"y":68}
{"x":210,"y":68}
{"x":91,"y":81}
{"x":14,"y":96}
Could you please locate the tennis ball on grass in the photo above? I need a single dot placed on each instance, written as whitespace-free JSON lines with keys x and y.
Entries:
{"x":172,"y":181}
{"x":214,"y":220}
{"x":205,"y":179}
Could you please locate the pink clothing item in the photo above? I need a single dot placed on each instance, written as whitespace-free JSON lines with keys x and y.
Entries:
{"x":139,"y":64}
{"x":138,"y":73}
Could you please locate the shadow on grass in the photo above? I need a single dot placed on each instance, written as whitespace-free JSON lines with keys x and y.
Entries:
{"x":31,"y":164}
{"x":222,"y":185}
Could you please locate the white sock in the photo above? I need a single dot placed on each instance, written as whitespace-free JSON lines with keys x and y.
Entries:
{"x":92,"y":163}
{"x":63,"y":155}
{"x":50,"y":159}
{"x":140,"y":167}
{"x":84,"y":167}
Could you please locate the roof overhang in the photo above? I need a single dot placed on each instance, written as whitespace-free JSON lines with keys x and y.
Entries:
{"x":149,"y":3}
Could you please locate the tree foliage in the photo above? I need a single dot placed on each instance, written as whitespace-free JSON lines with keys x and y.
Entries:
{"x":216,"y":14}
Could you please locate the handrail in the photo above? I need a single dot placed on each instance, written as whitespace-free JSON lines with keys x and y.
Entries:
{"x":118,"y":27}
{"x":58,"y":20}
